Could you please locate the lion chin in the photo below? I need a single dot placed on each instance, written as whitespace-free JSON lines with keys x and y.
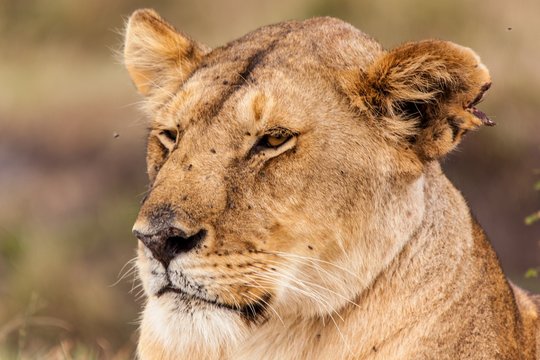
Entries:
{"x":297,"y":208}
{"x":176,"y":327}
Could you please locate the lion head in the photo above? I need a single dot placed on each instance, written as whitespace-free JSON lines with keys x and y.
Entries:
{"x":285,"y":170}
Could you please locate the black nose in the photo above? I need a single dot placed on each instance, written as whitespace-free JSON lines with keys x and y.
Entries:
{"x":168,"y":243}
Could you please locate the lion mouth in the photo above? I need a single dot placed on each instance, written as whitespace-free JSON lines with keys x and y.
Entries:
{"x":479,"y":114}
{"x":250,"y":312}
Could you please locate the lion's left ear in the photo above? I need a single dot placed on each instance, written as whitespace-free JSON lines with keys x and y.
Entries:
{"x":432,"y":85}
{"x":157,"y":56}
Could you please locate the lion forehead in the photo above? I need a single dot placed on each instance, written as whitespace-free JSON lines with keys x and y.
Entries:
{"x":282,"y":55}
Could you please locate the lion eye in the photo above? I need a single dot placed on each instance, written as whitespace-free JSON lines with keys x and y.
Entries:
{"x":276,"y":141}
{"x":171,"y":135}
{"x":168,"y":138}
{"x":272,"y":141}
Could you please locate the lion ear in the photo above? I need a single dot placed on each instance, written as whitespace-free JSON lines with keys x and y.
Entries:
{"x":431,"y":86}
{"x":156,"y":56}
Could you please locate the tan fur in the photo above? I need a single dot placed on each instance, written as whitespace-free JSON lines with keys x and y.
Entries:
{"x":347,"y":241}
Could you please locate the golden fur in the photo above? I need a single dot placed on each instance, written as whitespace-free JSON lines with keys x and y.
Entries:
{"x":343,"y":241}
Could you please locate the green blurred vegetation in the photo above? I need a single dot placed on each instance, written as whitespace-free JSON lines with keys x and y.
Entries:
{"x":535,"y":216}
{"x":69,"y":189}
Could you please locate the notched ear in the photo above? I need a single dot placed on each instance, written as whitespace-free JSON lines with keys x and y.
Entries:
{"x":156,"y":56}
{"x":430,"y":88}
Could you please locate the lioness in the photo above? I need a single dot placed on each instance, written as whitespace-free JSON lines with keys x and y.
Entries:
{"x":297,"y":208}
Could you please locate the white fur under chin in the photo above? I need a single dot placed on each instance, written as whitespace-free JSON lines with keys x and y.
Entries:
{"x":187,"y":331}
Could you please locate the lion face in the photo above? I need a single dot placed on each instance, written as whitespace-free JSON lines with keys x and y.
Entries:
{"x":285,"y":167}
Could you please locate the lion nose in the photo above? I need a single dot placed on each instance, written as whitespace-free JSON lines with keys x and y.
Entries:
{"x":166,"y":244}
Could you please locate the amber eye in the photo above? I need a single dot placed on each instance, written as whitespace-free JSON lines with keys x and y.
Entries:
{"x":275,"y":138}
{"x":274,"y":141}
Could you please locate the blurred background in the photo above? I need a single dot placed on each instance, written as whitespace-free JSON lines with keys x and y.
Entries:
{"x":72,"y":150}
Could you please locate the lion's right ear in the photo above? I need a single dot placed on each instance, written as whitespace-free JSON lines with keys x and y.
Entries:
{"x":157,"y":56}
{"x":427,"y":91}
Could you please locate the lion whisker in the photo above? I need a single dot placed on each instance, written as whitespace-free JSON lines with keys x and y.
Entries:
{"x":308,"y":292}
{"x":130,"y":271}
{"x":319,"y":286}
{"x":261,"y":299}
{"x":284,"y":254}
